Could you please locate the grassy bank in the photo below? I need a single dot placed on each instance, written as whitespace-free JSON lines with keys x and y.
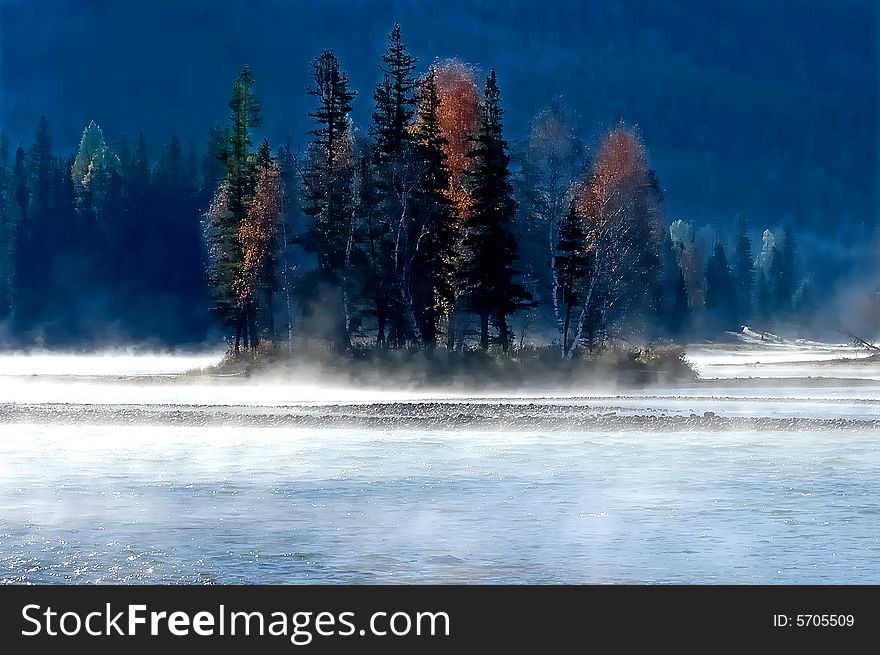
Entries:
{"x":526,"y":368}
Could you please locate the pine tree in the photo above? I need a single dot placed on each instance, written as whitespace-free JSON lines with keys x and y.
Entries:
{"x":490,"y":243}
{"x":720,"y":289}
{"x":18,"y":214}
{"x":7,"y":233}
{"x":95,"y":174}
{"x":395,"y":99}
{"x":4,"y":161}
{"x":40,"y":161}
{"x":673,"y":308}
{"x":229,"y":210}
{"x":679,"y":315}
{"x":21,"y":194}
{"x":35,"y":230}
{"x":783,"y":274}
{"x":396,"y":178}
{"x":763,"y":297}
{"x":433,"y":283}
{"x":327,"y":192}
{"x":743,"y":269}
{"x":141,"y":163}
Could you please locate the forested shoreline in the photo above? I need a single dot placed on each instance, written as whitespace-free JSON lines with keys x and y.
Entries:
{"x":424,"y":230}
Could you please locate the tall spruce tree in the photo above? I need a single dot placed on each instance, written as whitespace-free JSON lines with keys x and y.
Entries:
{"x":720,"y":290}
{"x":433,"y":269}
{"x":328,"y":195}
{"x":743,"y":269}
{"x":489,"y":278}
{"x":783,"y":274}
{"x":40,"y":161}
{"x":7,"y":234}
{"x":229,"y":210}
{"x":396,"y":177}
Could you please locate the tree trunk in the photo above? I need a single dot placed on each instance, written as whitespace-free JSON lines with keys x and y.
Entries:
{"x":270,"y":295}
{"x":503,"y":333}
{"x":565,"y":327}
{"x":252,"y":327}
{"x":381,"y":341}
{"x":450,"y":334}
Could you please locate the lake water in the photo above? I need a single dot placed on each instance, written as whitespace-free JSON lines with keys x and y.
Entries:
{"x":114,"y":470}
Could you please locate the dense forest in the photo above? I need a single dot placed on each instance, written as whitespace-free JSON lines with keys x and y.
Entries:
{"x":424,"y":228}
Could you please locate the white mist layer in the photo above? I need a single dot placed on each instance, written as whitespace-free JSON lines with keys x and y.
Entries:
{"x":119,"y":363}
{"x":171,"y":503}
{"x":777,"y":360}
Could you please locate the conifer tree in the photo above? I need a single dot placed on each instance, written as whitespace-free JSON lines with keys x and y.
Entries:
{"x":743,"y":269}
{"x":397,"y":178}
{"x":7,"y":234}
{"x":720,"y":289}
{"x":433,"y":283}
{"x":783,"y":274}
{"x":327,"y":193}
{"x":40,"y":162}
{"x":95,"y":174}
{"x":229,"y":210}
{"x":491,"y":289}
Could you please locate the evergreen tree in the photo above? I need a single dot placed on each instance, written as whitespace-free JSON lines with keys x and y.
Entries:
{"x":679,"y":315}
{"x":34,"y":231}
{"x":41,"y":160}
{"x":763,"y":297}
{"x":490,"y":243}
{"x":95,"y":173}
{"x":17,"y":224}
{"x":743,"y":269}
{"x":433,"y":277}
{"x":395,"y":99}
{"x":328,"y":195}
{"x":7,"y":233}
{"x":4,"y":161}
{"x":21,"y":194}
{"x":720,"y":290}
{"x":396,"y":178}
{"x":229,"y":210}
{"x":673,"y":308}
{"x":783,"y":274}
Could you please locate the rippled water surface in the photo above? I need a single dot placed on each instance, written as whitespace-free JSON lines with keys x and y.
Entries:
{"x":107,"y":478}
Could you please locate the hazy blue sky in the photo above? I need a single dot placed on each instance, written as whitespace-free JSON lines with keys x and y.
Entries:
{"x":762,"y":106}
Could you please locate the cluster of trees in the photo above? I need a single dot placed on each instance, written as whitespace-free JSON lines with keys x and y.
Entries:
{"x":100,"y":243}
{"x":409,"y":229}
{"x":730,"y":285}
{"x":423,"y":230}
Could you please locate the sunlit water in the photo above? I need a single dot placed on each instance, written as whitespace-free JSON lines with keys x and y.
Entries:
{"x":105,"y":478}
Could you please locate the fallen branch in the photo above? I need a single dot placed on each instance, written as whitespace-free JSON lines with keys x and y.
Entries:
{"x":858,"y":341}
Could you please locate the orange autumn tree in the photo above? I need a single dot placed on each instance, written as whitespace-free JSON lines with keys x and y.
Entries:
{"x":620,"y":206}
{"x":458,"y":117}
{"x":257,"y":236}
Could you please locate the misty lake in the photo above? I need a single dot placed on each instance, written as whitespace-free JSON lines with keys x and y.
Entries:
{"x":115,"y":469}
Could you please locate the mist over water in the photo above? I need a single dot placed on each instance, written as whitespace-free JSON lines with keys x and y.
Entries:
{"x":114,"y":469}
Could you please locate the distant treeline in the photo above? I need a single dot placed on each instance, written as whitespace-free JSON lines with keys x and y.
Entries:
{"x":425,"y":230}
